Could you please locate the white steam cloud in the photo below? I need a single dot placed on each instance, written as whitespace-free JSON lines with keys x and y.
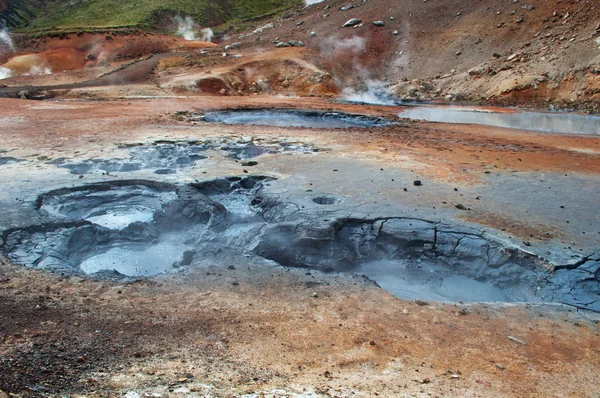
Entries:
{"x":207,"y":34}
{"x":355,"y":44}
{"x":5,"y":73}
{"x":185,"y":27}
{"x":373,"y":91}
{"x":40,"y":70}
{"x":375,"y":94}
{"x":5,"y":37}
{"x":311,"y":2}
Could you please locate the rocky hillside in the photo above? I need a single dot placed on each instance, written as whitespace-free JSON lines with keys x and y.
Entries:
{"x":499,"y":51}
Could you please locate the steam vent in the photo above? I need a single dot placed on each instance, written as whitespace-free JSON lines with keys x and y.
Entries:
{"x":294,"y":198}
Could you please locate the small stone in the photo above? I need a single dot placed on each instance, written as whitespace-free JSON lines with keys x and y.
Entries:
{"x":517,"y":340}
{"x":231,"y":267}
{"x":315,"y":295}
{"x":395,"y":33}
{"x":405,"y":311}
{"x":461,"y":207}
{"x":235,"y":283}
{"x":500,"y":366}
{"x":378,"y":23}
{"x":250,"y":163}
{"x":372,"y":342}
{"x":417,"y":183}
{"x":351,"y":22}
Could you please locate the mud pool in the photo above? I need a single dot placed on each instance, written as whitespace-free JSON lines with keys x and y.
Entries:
{"x":567,"y":123}
{"x":139,"y":228}
{"x":293,"y":118}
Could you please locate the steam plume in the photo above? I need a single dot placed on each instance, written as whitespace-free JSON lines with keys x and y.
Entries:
{"x":207,"y":34}
{"x":5,"y":73}
{"x":375,"y":93}
{"x":185,"y":27}
{"x":5,"y":37}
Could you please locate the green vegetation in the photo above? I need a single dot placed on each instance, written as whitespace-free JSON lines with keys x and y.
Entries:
{"x":15,"y":13}
{"x":94,"y":14}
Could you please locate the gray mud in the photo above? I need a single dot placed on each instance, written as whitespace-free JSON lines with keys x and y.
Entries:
{"x":292,"y":118}
{"x":172,"y":157}
{"x":142,"y":228}
{"x":9,"y":160}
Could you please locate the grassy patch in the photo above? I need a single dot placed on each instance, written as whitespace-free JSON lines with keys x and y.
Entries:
{"x":95,"y":14}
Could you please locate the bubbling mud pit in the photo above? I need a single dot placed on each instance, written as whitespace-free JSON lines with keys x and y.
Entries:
{"x":292,"y":118}
{"x":136,"y":228}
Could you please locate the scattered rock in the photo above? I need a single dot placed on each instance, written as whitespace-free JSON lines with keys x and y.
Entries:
{"x":500,"y":366}
{"x":232,"y":46}
{"x":346,"y":8}
{"x":351,"y":22}
{"x":250,"y":163}
{"x":378,"y":23}
{"x":417,"y":183}
{"x":296,"y":43}
{"x":517,"y":340}
{"x":283,"y":44}
{"x":461,"y":207}
{"x":395,"y":33}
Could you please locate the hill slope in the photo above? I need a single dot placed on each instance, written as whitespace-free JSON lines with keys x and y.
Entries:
{"x":82,"y":14}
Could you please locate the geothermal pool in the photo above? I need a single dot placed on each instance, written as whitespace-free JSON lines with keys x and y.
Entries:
{"x":567,"y":123}
{"x":294,"y":118}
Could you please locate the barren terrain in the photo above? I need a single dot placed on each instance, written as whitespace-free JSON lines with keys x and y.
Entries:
{"x":278,"y":296}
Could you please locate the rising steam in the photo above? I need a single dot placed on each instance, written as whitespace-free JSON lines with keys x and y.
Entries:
{"x":39,"y":70}
{"x":5,"y":73}
{"x":207,"y":34}
{"x":374,"y":93}
{"x":185,"y":27}
{"x":5,"y":37}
